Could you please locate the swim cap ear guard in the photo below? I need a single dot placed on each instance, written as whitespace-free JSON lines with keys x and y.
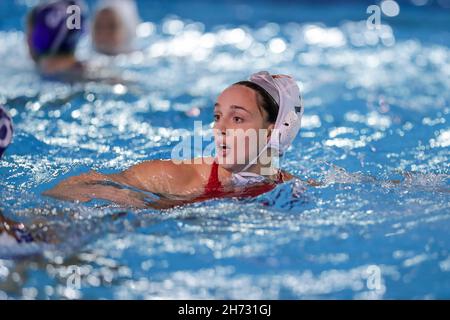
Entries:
{"x":50,"y":33}
{"x":6,"y":130}
{"x":286,"y":93}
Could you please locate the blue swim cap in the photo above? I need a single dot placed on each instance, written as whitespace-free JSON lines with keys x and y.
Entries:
{"x":50,"y":33}
{"x":6,"y":130}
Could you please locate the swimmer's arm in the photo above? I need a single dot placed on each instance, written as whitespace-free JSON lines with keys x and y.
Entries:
{"x":316,"y":183}
{"x":159,"y":177}
{"x":361,"y":178}
{"x":341,"y":176}
{"x":310,"y":181}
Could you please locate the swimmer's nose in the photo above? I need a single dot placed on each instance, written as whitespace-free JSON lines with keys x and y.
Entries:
{"x":220,"y":129}
{"x":219,"y":134}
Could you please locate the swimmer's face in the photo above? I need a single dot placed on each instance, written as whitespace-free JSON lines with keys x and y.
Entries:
{"x":241,"y":127}
{"x":109,"y":34}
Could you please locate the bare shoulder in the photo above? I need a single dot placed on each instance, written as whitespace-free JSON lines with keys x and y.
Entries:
{"x":157,"y":169}
{"x":165,"y":176}
{"x":193,"y":168}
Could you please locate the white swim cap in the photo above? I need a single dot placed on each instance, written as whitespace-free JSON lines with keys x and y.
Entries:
{"x":128,"y":14}
{"x":286,"y":93}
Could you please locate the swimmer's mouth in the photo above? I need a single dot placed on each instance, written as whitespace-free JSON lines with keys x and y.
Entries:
{"x":222,"y":149}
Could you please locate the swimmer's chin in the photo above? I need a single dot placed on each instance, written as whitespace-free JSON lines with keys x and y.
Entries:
{"x":229,"y":164}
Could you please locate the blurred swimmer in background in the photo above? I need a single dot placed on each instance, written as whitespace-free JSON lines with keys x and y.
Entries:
{"x":53,"y":31}
{"x":114,"y":26}
{"x":53,"y":36}
{"x":6,"y":130}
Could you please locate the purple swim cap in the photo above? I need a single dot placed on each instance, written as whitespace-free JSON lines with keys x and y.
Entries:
{"x":6,"y":130}
{"x":50,"y":33}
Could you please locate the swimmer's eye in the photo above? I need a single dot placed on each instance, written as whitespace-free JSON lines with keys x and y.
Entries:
{"x":238,"y":119}
{"x":216,"y":117}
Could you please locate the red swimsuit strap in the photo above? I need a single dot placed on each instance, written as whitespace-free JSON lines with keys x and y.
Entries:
{"x":214,"y":183}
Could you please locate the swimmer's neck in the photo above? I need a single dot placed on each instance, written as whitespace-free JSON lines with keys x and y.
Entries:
{"x":267,"y":170}
{"x":57,"y":64}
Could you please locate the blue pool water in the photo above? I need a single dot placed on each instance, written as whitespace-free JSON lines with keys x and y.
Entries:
{"x":377,"y":105}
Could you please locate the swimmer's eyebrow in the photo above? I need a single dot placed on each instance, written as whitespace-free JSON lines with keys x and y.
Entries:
{"x":234,"y":107}
{"x":239,"y":108}
{"x":216,"y":105}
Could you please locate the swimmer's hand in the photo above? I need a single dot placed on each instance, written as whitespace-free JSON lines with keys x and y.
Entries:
{"x":314,"y":183}
{"x":75,"y":188}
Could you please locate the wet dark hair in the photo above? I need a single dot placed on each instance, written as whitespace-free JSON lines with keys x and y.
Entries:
{"x":265,"y":100}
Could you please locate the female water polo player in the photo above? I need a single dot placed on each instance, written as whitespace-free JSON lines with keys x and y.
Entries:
{"x":52,"y":40}
{"x":114,"y":26}
{"x":270,"y":104}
